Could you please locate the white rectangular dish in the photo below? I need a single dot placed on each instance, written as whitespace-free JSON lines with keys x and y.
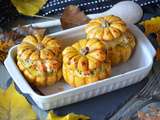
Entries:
{"x":123,"y":75}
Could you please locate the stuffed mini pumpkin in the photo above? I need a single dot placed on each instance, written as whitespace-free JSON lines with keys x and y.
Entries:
{"x":105,"y":28}
{"x":39,"y":58}
{"x":120,"y":49}
{"x":113,"y":32}
{"x":85,"y":62}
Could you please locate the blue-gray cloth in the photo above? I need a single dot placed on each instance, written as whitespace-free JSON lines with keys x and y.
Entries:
{"x":88,"y":6}
{"x":54,"y":7}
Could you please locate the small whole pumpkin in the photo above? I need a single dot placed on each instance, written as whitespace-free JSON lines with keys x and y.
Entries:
{"x":106,"y":28}
{"x":39,"y":58}
{"x":114,"y":34}
{"x":85,"y":62}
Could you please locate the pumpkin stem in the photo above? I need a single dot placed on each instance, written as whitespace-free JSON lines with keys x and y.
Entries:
{"x":40,"y":46}
{"x":85,"y":51}
{"x":105,"y":24}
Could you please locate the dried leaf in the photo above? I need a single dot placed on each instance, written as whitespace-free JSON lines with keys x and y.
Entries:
{"x":23,"y":31}
{"x":2,"y":56}
{"x":14,"y":106}
{"x":28,"y":7}
{"x":151,"y":113}
{"x":158,"y":54}
{"x":72,"y":16}
{"x":158,"y":38}
{"x":4,"y":47}
{"x":8,"y":39}
{"x":70,"y":116}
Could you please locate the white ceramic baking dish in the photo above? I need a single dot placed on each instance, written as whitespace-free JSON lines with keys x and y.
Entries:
{"x":123,"y":75}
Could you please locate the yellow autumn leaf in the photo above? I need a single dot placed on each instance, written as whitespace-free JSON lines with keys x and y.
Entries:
{"x":28,"y":7}
{"x":152,"y":25}
{"x":70,"y":116}
{"x":13,"y":106}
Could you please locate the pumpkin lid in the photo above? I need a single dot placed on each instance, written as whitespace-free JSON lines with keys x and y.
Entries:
{"x":85,"y":55}
{"x":35,"y":47}
{"x":106,"y":28}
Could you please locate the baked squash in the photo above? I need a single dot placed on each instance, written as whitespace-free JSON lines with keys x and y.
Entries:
{"x":105,"y":28}
{"x":39,"y":58}
{"x":85,"y":62}
{"x":113,"y":32}
{"x":120,"y":50}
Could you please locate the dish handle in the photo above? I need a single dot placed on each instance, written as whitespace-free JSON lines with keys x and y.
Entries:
{"x":150,"y":47}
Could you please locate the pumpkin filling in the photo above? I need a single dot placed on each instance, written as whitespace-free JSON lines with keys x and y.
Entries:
{"x":37,"y":60}
{"x":91,"y":72}
{"x":123,"y":41}
{"x":37,"y":71}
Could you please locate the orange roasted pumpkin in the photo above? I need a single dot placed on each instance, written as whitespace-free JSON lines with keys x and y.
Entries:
{"x":117,"y":38}
{"x":105,"y":28}
{"x":39,"y":58}
{"x":85,"y":62}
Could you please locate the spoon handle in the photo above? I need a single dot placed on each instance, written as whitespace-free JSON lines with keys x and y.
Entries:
{"x":129,"y":11}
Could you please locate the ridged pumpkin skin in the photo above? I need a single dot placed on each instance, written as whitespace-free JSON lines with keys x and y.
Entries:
{"x":113,"y":32}
{"x":105,"y":28}
{"x":39,"y":58}
{"x":120,"y":50}
{"x":85,"y":62}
